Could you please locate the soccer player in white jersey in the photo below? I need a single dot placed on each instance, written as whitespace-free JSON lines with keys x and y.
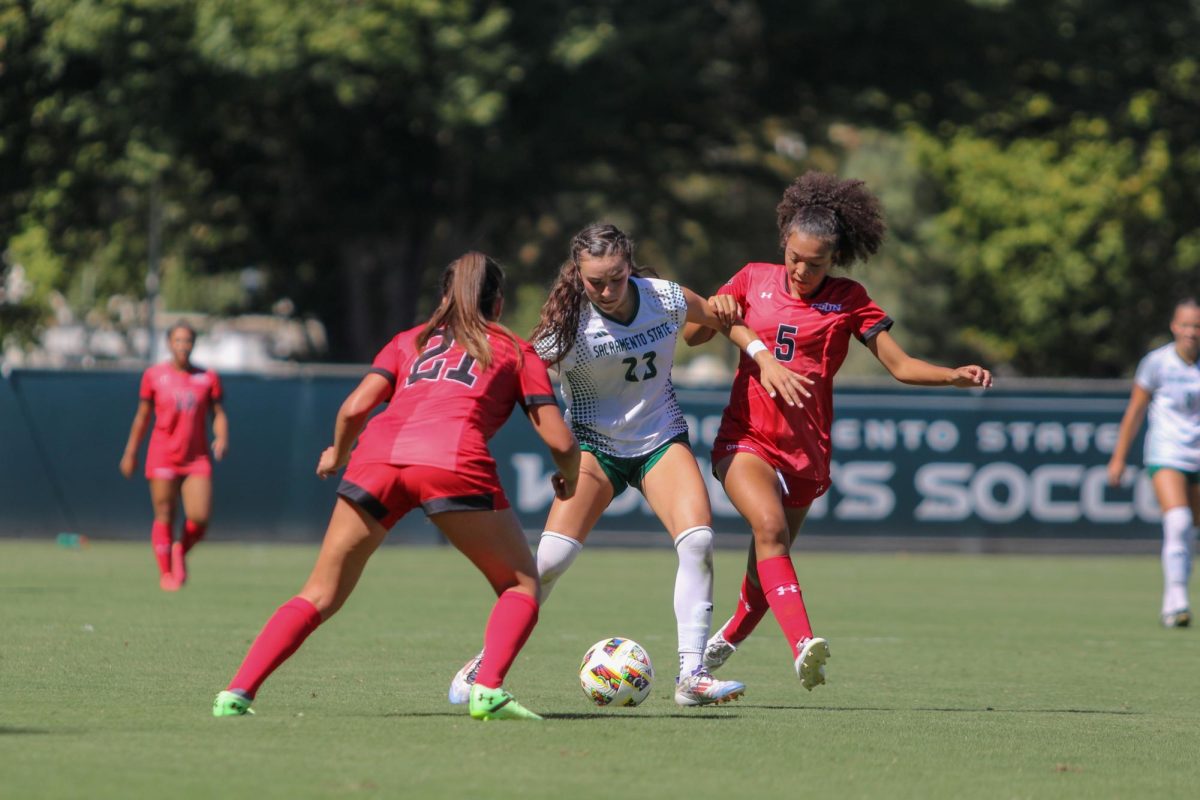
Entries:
{"x":1168,"y":384}
{"x":611,"y":333}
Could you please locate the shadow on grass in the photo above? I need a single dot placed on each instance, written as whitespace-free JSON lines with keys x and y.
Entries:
{"x":7,"y":731}
{"x":976,"y":710}
{"x":573,"y":716}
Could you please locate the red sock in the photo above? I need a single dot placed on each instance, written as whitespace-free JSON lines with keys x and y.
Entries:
{"x":751,"y":608}
{"x":509,"y":626}
{"x":283,"y":634}
{"x":779,"y":584}
{"x":160,"y":540}
{"x":192,"y":533}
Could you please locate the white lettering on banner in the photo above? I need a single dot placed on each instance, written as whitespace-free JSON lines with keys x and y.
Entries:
{"x":952,"y":492}
{"x":1091,"y":496}
{"x":702,"y":431}
{"x":939,"y":435}
{"x":864,"y":489}
{"x":534,"y":491}
{"x":1046,"y":437}
{"x":1042,"y":505}
{"x":983,"y":492}
{"x":942,"y":487}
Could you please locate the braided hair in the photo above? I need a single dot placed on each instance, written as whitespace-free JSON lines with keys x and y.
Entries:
{"x":843,"y":212}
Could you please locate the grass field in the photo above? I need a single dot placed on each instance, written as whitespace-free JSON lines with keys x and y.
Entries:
{"x":951,"y":677}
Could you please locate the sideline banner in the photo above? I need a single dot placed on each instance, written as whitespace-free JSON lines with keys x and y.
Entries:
{"x":1011,"y":463}
{"x":921,"y":462}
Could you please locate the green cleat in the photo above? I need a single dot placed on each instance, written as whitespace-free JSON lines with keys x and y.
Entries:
{"x":496,"y":704}
{"x":231,"y":704}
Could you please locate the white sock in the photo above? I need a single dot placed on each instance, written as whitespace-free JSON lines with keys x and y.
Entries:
{"x":693,"y":594}
{"x":555,"y":554}
{"x":1178,"y":535}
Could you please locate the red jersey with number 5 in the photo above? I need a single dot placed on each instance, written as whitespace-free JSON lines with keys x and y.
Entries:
{"x":182,"y":400}
{"x":808,"y":335}
{"x":444,"y":406}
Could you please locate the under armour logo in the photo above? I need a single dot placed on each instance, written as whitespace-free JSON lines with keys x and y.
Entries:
{"x":765,"y":295}
{"x":791,"y":587}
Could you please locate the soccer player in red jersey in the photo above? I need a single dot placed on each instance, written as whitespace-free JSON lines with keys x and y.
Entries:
{"x":449,"y":385}
{"x":771,"y":455}
{"x":182,"y":398}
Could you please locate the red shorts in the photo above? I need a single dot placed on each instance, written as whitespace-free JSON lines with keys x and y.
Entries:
{"x":798,"y":492}
{"x":167,"y":470}
{"x":388,"y":491}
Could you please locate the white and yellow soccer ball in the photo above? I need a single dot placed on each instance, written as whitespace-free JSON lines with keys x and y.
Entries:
{"x":616,"y":672}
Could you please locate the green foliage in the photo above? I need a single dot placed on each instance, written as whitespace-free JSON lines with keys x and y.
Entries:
{"x":350,"y":149}
{"x":1045,"y":243}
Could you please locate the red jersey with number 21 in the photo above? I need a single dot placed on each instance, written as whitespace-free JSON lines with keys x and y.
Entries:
{"x":444,"y":406}
{"x":808,"y":335}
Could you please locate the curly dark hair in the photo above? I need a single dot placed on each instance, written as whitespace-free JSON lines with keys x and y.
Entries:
{"x":560,"y":314}
{"x":844,"y":212}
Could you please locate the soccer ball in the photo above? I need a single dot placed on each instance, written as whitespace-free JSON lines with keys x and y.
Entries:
{"x":616,"y":672}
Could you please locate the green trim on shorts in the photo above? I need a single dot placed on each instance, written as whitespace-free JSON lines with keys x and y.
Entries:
{"x":625,"y":472}
{"x":1192,"y":477}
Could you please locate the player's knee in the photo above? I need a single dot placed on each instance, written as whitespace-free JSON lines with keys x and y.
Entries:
{"x":696,"y":545}
{"x":555,"y":554}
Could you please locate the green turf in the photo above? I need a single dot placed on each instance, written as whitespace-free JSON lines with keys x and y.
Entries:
{"x":951,"y":677}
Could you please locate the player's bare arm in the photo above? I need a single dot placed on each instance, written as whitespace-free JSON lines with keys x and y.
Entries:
{"x":220,"y":423}
{"x":137,"y":432}
{"x":351,"y":419}
{"x":550,"y":426}
{"x":916,"y":372}
{"x":1131,"y":423}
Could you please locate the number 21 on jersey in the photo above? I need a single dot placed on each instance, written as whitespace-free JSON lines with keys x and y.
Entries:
{"x":430,"y":366}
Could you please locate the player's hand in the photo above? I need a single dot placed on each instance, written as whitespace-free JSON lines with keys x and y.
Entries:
{"x":327,"y":465}
{"x":1116,"y":472}
{"x":778,"y":380}
{"x":563,"y":488}
{"x":725,"y":308}
{"x":218,"y":448}
{"x":128,"y":465}
{"x":971,"y":375}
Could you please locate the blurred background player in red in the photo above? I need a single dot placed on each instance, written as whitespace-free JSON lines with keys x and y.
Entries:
{"x":773,"y":456}
{"x":449,"y":385}
{"x":182,"y":397}
{"x":1167,"y":383}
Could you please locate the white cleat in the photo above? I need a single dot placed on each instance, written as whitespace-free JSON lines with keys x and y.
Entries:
{"x":460,"y":687}
{"x":810,"y":664}
{"x":1177,"y":619}
{"x":718,"y":650}
{"x":702,"y":689}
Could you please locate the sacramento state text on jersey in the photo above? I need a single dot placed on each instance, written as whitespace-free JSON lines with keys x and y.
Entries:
{"x":636,"y":342}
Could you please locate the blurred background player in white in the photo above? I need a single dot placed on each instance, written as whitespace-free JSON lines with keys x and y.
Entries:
{"x":1168,"y":383}
{"x":611,"y":333}
{"x":772,"y":455}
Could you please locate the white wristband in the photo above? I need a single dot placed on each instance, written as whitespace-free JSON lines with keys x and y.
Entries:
{"x":755,"y":347}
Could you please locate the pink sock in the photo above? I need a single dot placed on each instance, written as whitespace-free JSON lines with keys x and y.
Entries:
{"x":509,"y":626}
{"x":192,"y":533}
{"x":751,"y":608}
{"x":283,"y":634}
{"x":160,"y":540}
{"x":779,"y":584}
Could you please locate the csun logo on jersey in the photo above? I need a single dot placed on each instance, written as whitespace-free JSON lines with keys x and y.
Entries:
{"x":826,"y":308}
